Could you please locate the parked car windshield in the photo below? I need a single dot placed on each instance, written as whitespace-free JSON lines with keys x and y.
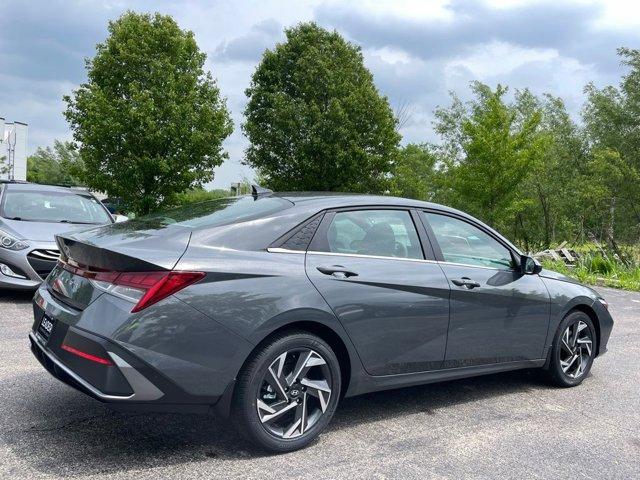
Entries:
{"x":53,"y":207}
{"x":220,"y":211}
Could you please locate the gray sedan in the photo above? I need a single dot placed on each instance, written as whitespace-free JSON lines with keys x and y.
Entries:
{"x":270,"y":308}
{"x":30,"y":217}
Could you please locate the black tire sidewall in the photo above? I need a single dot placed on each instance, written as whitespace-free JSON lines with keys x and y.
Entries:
{"x":561,"y":378}
{"x":250,"y":382}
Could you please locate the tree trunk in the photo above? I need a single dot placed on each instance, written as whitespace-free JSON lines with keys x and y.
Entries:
{"x":547,"y":217}
{"x":612,"y":216}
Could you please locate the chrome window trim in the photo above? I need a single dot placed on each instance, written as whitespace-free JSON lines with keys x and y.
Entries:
{"x":455,"y":264}
{"x":283,"y":250}
{"x":379,"y":257}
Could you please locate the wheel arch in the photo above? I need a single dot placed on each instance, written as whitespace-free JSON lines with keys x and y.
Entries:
{"x":582,"y":304}
{"x":326,"y":333}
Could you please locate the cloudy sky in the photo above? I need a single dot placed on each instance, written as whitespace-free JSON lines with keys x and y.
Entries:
{"x":417,"y":50}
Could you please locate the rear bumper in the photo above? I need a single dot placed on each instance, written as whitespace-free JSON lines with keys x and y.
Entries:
{"x":146,"y":395}
{"x":143,"y":389}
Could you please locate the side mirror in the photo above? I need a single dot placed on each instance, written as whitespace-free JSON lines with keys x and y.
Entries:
{"x":529,"y":265}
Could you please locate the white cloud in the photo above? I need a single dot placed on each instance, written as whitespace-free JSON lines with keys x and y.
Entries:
{"x":501,"y":58}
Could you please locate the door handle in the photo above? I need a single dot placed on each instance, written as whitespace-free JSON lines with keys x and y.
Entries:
{"x":465,"y":282}
{"x":337,"y":271}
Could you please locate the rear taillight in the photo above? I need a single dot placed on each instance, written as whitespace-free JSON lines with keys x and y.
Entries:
{"x":142,"y":288}
{"x":156,"y":286}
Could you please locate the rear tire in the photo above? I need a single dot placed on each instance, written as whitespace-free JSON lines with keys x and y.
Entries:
{"x":287,"y":392}
{"x":573,"y":350}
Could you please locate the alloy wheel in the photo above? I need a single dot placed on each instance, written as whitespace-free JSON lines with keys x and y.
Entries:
{"x":576,"y":349}
{"x":294,"y":393}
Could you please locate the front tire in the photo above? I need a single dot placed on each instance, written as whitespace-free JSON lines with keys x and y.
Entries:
{"x":287,"y":392}
{"x":573,"y":350}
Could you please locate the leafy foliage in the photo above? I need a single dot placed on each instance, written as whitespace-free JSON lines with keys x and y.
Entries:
{"x":60,"y":165}
{"x":149,"y":122}
{"x":488,"y":146}
{"x":415,"y":172}
{"x":197,"y":195}
{"x":612,"y":124}
{"x":315,"y":119}
{"x":525,"y":167}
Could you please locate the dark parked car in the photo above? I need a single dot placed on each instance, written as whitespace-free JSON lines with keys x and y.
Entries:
{"x":269,"y":308}
{"x":30,"y":217}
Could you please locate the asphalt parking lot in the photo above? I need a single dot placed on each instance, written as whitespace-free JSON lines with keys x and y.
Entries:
{"x":501,"y":426}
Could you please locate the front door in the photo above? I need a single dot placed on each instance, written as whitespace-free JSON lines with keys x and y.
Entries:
{"x":498,"y":314}
{"x":394,"y":304}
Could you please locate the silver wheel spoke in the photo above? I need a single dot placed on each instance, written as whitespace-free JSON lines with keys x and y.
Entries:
{"x":319,"y":389}
{"x":566,"y":365}
{"x":275,"y":378}
{"x":580,"y":366}
{"x":300,"y":423}
{"x":587,"y":344}
{"x":300,"y":368}
{"x":565,"y":345}
{"x":305,"y":362}
{"x":292,"y":430}
{"x":275,"y":413}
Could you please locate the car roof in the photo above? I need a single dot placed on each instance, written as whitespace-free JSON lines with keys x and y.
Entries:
{"x":323,"y":200}
{"x":36,"y":187}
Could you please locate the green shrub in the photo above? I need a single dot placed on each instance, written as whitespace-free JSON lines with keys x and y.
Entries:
{"x":594,"y":269}
{"x":599,"y":264}
{"x":197,"y":195}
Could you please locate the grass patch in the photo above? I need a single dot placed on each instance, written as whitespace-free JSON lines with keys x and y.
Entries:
{"x":595,"y":269}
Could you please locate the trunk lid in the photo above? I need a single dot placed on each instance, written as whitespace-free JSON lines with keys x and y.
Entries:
{"x":118,"y":247}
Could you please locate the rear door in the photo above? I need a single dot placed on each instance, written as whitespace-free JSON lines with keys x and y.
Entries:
{"x":498,"y":314}
{"x":386,"y":289}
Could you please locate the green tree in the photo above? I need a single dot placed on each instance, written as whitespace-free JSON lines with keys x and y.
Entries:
{"x":60,"y":165}
{"x":315,"y":119}
{"x":612,"y":122}
{"x":487,"y":150}
{"x":546,"y":205}
{"x":149,"y":121}
{"x":415,"y":174}
{"x":603,"y":184}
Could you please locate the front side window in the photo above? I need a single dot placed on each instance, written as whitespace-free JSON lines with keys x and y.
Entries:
{"x":461,"y":242}
{"x":384,"y":233}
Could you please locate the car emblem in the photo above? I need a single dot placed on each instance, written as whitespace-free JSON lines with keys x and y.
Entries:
{"x":294,"y":392}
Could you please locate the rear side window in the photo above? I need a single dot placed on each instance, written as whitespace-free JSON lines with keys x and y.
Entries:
{"x":384,"y":233}
{"x":220,"y":211}
{"x":461,"y":242}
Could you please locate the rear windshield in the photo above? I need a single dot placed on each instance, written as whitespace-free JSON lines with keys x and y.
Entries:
{"x":53,"y":207}
{"x":220,"y":211}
